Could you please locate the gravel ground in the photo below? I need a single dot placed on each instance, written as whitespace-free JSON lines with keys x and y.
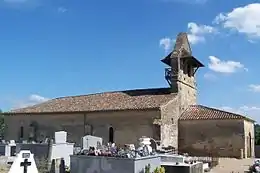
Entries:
{"x":228,"y":165}
{"x":4,"y":169}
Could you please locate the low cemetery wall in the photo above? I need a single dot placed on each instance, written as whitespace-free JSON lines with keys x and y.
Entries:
{"x":184,"y":168}
{"x":83,"y":163}
{"x":40,"y":151}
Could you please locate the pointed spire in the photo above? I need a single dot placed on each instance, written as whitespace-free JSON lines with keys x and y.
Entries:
{"x":181,"y":43}
{"x":181,"y":48}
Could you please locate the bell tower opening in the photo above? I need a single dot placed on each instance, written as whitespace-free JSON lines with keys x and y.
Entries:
{"x":181,"y":70}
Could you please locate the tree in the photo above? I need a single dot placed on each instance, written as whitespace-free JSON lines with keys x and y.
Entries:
{"x":257,"y":134}
{"x":2,"y":124}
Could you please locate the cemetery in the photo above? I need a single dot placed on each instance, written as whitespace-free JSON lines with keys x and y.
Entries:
{"x":171,"y":115}
{"x":57,"y":155}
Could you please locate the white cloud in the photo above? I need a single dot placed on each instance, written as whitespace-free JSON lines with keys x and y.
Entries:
{"x":37,"y":98}
{"x":200,"y":29}
{"x":241,"y":109}
{"x":219,"y":66}
{"x":31,"y":100}
{"x":252,"y":112}
{"x":244,"y":20}
{"x":196,"y":33}
{"x":62,"y":9}
{"x":210,"y":76}
{"x":254,"y":88}
{"x":194,"y":39}
{"x":166,"y":43}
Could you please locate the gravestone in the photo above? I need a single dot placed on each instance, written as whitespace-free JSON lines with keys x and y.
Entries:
{"x":24,"y":163}
{"x":61,"y":148}
{"x":60,"y":137}
{"x":10,"y":148}
{"x":91,"y":141}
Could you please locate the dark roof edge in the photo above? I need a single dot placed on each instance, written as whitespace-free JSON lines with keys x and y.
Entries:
{"x":112,"y":91}
{"x":75,"y":112}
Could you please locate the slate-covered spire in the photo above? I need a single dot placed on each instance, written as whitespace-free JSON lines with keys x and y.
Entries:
{"x":182,"y":45}
{"x":181,"y":62}
{"x":181,"y":48}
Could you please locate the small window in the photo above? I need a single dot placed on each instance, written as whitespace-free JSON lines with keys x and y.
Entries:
{"x":111,"y":135}
{"x":21,"y":132}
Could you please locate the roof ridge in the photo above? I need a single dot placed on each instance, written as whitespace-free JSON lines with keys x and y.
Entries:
{"x":103,"y":101}
{"x":224,"y":111}
{"x":201,"y":112}
{"x":115,"y":91}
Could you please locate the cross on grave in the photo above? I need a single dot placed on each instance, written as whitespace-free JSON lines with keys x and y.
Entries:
{"x":25,"y":164}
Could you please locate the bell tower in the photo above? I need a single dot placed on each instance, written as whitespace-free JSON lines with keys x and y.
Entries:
{"x":180,"y":73}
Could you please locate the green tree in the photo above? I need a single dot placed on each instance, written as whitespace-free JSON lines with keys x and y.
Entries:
{"x":2,"y":124}
{"x":257,"y":134}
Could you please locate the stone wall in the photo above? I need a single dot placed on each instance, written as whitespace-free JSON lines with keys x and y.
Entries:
{"x":220,"y":138}
{"x":187,"y":91}
{"x":169,"y":123}
{"x":249,"y":133}
{"x":47,"y":125}
{"x":128,"y":125}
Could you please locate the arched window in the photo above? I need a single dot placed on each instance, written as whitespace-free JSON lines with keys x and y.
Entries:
{"x":111,"y":135}
{"x":21,"y":132}
{"x":189,"y":70}
{"x":33,"y":131}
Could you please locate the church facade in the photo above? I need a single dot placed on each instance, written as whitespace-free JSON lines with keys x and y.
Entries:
{"x":169,"y":115}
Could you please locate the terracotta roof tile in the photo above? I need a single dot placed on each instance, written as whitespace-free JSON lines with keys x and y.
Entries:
{"x":199,"y":112}
{"x":120,"y":100}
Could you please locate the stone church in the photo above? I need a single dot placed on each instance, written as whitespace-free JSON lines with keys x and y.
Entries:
{"x":170,"y":115}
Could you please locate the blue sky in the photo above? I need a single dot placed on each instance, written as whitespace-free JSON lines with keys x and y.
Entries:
{"x":52,"y":48}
